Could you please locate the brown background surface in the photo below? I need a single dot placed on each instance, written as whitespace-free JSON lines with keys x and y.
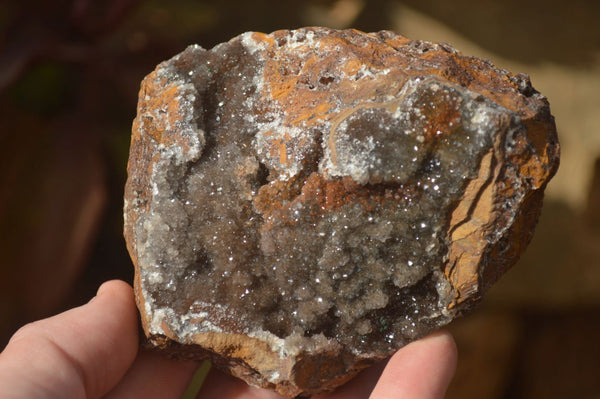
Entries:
{"x":69,"y":76}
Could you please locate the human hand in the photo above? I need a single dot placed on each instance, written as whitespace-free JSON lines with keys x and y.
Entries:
{"x":420,"y":370}
{"x":92,"y":352}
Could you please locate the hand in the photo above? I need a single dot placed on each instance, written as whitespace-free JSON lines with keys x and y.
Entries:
{"x":92,"y":351}
{"x":422,"y":369}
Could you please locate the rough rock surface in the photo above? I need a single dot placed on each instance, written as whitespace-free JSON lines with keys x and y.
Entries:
{"x":304,"y":203}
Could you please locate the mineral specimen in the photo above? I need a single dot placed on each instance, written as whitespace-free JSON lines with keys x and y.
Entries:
{"x":304,"y":203}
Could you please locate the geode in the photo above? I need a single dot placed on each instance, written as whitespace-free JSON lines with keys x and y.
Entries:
{"x":304,"y":203}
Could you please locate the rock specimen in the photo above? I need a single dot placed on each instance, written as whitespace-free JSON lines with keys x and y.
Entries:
{"x":304,"y":203}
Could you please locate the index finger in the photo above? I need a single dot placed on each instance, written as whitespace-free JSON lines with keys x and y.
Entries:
{"x":421,"y":369}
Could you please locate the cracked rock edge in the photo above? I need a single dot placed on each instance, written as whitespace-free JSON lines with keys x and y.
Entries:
{"x":302,"y":204}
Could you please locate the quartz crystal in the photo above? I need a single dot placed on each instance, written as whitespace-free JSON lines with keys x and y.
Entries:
{"x":302,"y":204}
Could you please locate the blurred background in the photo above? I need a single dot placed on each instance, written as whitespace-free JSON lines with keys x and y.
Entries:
{"x":69,"y":75}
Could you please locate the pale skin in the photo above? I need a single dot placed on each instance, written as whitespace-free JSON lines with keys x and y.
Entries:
{"x":93,"y":352}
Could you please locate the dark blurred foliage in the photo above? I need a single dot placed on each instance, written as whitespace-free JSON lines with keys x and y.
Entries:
{"x":69,"y":75}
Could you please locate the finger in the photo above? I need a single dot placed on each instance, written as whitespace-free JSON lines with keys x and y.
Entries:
{"x":154,"y":376}
{"x":80,"y":353}
{"x":359,"y":387}
{"x":422,"y":369}
{"x":436,"y":348}
{"x":219,"y":385}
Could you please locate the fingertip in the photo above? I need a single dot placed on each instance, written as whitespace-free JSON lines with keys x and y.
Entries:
{"x":444,"y":344}
{"x":112,"y":287}
{"x":421,"y":369}
{"x":117,"y":315}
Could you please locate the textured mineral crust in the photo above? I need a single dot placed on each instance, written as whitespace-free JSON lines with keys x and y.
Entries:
{"x":304,"y":203}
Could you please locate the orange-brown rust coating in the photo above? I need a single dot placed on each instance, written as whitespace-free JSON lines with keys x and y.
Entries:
{"x":321,"y":195}
{"x":317,"y":85}
{"x":309,"y":84}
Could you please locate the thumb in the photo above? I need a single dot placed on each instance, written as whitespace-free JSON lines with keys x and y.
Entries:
{"x":80,"y":353}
